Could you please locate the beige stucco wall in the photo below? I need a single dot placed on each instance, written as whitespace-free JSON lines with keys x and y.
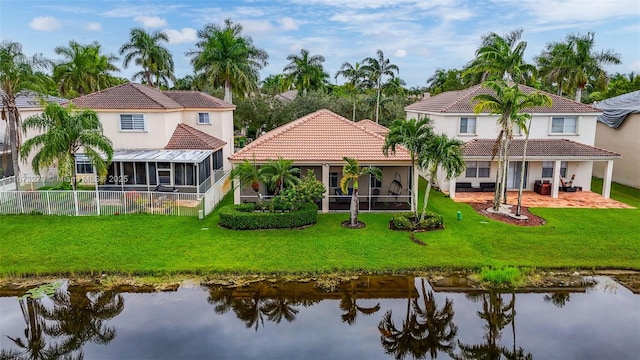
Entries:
{"x":625,"y":141}
{"x":159,"y":128}
{"x":487,"y":128}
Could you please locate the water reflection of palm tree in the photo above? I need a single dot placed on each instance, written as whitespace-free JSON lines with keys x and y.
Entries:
{"x":280,"y":308}
{"x":349,"y":304}
{"x":34,"y":346}
{"x":79,"y":317}
{"x":424,"y":330}
{"x":558,"y":298}
{"x":497,"y":316}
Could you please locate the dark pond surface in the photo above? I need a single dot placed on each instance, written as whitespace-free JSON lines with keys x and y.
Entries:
{"x":368,"y":318}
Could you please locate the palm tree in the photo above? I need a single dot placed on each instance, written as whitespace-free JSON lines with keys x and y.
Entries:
{"x":502,"y":58}
{"x":306,"y":72}
{"x":355,"y":74}
{"x":581,"y":64}
{"x":17,"y":72}
{"x":84,"y":69}
{"x":275,"y":84}
{"x":413,"y":135}
{"x":394,"y":87}
{"x":226,"y":58}
{"x":508,"y":102}
{"x":351,"y":172}
{"x":146,"y":50}
{"x":552,"y":67}
{"x":440,"y":152}
{"x":64,"y":132}
{"x":376,"y":70}
{"x":247,"y":174}
{"x":280,"y":173}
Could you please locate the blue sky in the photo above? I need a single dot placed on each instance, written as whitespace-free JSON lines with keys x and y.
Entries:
{"x":419,"y":36}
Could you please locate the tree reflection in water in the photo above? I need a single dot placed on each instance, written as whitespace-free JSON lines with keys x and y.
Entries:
{"x":559,"y":298}
{"x":76,"y":318}
{"x":425,"y":330}
{"x":497,"y":315}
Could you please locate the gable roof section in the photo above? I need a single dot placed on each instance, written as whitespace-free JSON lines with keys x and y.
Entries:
{"x":461,"y":102}
{"x":197,"y":100}
{"x":187,"y":138}
{"x":538,"y":148}
{"x":320,"y":136}
{"x":138,"y":96}
{"x":30,"y":99}
{"x":373,"y":126}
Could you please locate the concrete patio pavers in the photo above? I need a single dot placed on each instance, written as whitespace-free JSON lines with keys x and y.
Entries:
{"x":579,"y":199}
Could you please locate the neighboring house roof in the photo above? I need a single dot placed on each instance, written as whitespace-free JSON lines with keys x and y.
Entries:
{"x":538,"y":148}
{"x":138,"y":96}
{"x":461,"y":102}
{"x":175,"y":156}
{"x":373,"y":126}
{"x":320,"y":136}
{"x":288,"y":95}
{"x":29,"y":99}
{"x":616,"y":109}
{"x":187,"y":138}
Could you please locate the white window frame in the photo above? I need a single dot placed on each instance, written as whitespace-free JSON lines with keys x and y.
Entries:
{"x":204,"y":118}
{"x":467,"y":132}
{"x":564,"y":125}
{"x":138,"y":123}
{"x":477,"y":168}
{"x":83,"y":164}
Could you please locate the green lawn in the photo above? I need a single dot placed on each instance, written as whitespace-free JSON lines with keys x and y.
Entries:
{"x":154,"y":245}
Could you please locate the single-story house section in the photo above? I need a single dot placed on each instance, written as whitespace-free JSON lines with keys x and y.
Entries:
{"x":319,"y":141}
{"x":618,"y":129}
{"x":547,"y":160}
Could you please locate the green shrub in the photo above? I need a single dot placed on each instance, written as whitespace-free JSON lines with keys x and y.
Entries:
{"x":407,"y":221}
{"x":503,"y":276}
{"x":245,"y":217}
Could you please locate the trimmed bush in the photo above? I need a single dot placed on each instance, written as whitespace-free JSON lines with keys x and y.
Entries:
{"x":406,"y":221}
{"x":245,"y":217}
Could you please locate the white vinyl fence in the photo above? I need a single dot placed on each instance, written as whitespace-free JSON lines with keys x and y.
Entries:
{"x":101,"y":202}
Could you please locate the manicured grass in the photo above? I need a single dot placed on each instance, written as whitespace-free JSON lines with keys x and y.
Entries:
{"x":154,"y":245}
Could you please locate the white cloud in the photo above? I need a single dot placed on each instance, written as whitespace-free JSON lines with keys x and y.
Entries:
{"x":44,"y":23}
{"x":400,"y":53}
{"x":569,"y":11}
{"x":145,"y":10}
{"x":635,"y":66}
{"x":151,"y":22}
{"x":184,"y":35}
{"x":93,"y":26}
{"x":287,"y":23}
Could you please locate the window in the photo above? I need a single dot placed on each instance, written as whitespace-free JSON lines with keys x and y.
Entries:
{"x":218,"y":161}
{"x":333,"y":180}
{"x":468,"y":125}
{"x":132,"y":122}
{"x":564,"y":125}
{"x":516,"y":129}
{"x":547,"y":169}
{"x":83,"y":165}
{"x":374,"y":183}
{"x":478,"y":169}
{"x":203,"y":118}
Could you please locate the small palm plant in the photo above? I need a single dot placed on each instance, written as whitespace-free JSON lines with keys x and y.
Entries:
{"x":351,"y":172}
{"x":247,"y":174}
{"x":281,"y":174}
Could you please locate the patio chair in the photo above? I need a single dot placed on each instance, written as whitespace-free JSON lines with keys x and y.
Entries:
{"x":568,"y":185}
{"x":395,"y":188}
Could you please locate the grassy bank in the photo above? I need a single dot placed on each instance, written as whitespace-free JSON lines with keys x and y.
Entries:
{"x":148,"y":244}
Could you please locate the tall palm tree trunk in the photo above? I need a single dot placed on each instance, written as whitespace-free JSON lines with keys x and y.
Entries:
{"x":426,"y":197}
{"x":353,"y":209}
{"x":227,"y":92}
{"x":578,"y":94}
{"x":355,"y":99}
{"x":14,"y":141}
{"x":497,"y":193}
{"x":505,"y":170}
{"x":522,"y":171}
{"x":378,"y":104}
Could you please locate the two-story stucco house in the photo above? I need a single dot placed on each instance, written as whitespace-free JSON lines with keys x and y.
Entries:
{"x":561,"y":142}
{"x":176,"y":139}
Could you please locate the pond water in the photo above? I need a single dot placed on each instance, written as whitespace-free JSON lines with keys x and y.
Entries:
{"x":376,"y":317}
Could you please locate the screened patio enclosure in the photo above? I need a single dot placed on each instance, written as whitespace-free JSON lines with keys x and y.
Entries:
{"x":192,"y":171}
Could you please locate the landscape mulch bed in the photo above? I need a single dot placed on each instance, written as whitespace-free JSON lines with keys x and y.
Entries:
{"x":533,"y":220}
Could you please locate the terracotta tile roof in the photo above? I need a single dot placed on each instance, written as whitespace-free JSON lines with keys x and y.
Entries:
{"x":460,"y":101}
{"x":187,"y":138}
{"x":137,"y":96}
{"x":320,"y":136}
{"x":373,"y":126}
{"x":288,"y":95}
{"x":197,"y":100}
{"x":539,"y":148}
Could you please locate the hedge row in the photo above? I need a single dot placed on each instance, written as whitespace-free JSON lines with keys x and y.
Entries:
{"x":244,"y":217}
{"x":407,"y":221}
